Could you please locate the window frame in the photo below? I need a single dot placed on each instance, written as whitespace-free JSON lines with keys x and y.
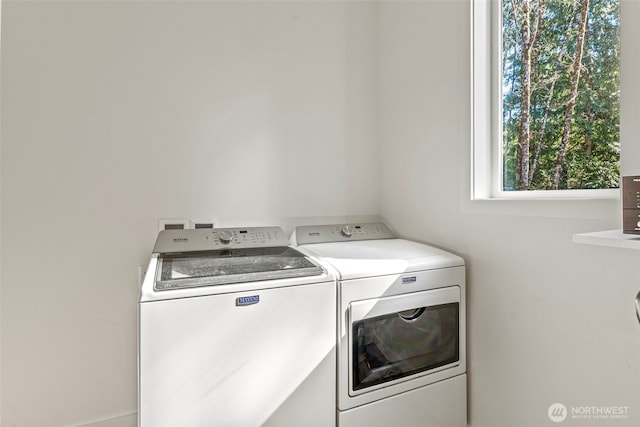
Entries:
{"x":486,"y":114}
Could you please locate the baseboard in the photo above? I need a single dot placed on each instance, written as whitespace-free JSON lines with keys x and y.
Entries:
{"x":128,"y":420}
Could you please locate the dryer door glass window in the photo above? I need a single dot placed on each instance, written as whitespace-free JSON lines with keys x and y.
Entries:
{"x":404,"y":343}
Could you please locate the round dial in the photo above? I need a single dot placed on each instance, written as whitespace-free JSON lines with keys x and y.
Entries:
{"x":225,"y":236}
{"x":347,"y":231}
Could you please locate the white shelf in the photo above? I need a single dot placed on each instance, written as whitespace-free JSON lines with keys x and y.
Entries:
{"x":611,"y":238}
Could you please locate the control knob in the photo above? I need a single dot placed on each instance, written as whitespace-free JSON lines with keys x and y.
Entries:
{"x":225,"y":236}
{"x":347,"y":231}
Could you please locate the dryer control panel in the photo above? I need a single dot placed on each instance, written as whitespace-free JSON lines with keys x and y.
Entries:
{"x":342,"y":233}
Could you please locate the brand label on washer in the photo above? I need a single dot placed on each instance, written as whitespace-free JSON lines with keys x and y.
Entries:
{"x":409,"y":279}
{"x":252,"y":299}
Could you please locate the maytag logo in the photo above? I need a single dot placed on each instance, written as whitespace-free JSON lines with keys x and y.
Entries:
{"x":181,"y":240}
{"x":409,"y":279}
{"x":250,"y":300}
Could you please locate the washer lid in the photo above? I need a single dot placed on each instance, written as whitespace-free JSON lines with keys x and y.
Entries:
{"x":194,"y":269}
{"x":219,"y":256}
{"x":369,"y":258}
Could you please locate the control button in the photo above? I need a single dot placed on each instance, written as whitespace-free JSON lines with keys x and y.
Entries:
{"x":225,"y":236}
{"x":347,"y":231}
{"x":638,"y":224}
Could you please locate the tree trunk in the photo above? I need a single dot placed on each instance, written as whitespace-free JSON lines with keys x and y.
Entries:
{"x":573,"y":96}
{"x":525,"y":100}
{"x":543,"y":128}
{"x":529,"y":36}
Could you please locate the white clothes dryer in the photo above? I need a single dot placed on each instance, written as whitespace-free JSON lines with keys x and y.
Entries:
{"x":401,"y":338}
{"x":236,"y":329}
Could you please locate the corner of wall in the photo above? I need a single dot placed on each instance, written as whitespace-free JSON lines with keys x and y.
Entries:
{"x":0,"y":219}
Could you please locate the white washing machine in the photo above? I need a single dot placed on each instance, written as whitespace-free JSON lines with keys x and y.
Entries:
{"x":401,"y":327}
{"x":236,"y":329}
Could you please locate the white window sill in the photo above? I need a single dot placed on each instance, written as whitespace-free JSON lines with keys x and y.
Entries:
{"x":601,"y":194}
{"x":611,"y":238}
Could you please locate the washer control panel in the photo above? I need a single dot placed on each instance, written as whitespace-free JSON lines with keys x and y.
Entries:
{"x":191,"y":240}
{"x":341,"y":233}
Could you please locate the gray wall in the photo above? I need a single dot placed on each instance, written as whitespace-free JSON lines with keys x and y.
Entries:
{"x":116,"y":114}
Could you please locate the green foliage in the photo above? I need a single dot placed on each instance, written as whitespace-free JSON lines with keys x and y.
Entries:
{"x":592,"y":155}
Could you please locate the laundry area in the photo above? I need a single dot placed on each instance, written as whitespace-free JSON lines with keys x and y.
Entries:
{"x":346,"y":123}
{"x":348,"y":326}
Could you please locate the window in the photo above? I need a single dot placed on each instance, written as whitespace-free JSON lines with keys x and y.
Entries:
{"x":546,"y":98}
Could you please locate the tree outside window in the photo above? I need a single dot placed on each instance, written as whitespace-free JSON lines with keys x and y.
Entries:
{"x":560,"y":94}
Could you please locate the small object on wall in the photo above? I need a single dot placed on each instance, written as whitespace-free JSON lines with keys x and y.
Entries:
{"x":201,"y":223}
{"x":631,"y":204}
{"x":173,"y":224}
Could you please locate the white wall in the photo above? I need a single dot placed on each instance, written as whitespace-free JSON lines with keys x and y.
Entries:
{"x":549,"y":321}
{"x":116,"y":114}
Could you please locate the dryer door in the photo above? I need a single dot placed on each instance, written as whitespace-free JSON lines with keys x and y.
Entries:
{"x":398,"y":338}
